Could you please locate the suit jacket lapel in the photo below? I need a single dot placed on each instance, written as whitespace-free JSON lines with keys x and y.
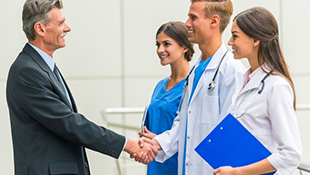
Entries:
{"x":69,"y":92}
{"x":42,"y":64}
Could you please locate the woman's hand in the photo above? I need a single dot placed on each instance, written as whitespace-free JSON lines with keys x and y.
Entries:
{"x":226,"y":170}
{"x":261,"y":167}
{"x":148,"y":134}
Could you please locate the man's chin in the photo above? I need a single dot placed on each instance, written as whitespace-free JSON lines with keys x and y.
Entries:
{"x":62,"y":46}
{"x":191,"y":40}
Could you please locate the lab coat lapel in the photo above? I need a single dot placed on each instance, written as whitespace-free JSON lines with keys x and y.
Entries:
{"x":209,"y":71}
{"x":215,"y":61}
{"x":199,"y":86}
{"x":254,"y":82}
{"x":191,"y":81}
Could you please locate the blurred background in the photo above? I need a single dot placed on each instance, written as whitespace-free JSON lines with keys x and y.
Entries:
{"x":110,"y":62}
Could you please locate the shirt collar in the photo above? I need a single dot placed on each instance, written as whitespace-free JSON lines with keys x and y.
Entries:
{"x":249,"y":74}
{"x":48,"y":59}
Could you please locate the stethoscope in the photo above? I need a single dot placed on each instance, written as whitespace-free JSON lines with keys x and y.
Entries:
{"x":258,"y":93}
{"x":212,"y":85}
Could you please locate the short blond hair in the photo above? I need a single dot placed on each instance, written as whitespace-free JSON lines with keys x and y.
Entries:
{"x":223,"y":8}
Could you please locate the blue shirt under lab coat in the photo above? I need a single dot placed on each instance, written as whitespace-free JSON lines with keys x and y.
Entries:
{"x":160,"y":115}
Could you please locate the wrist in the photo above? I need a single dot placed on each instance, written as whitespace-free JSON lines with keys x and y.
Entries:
{"x":238,"y":171}
{"x":156,"y":144}
{"x":129,"y":146}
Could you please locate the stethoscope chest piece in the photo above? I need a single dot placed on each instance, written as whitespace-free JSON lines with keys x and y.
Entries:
{"x":211,"y":86}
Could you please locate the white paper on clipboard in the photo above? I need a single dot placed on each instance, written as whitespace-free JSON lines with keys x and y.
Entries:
{"x":144,"y":118}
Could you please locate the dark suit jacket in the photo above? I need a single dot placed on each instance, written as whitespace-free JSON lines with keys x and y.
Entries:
{"x":48,"y":134}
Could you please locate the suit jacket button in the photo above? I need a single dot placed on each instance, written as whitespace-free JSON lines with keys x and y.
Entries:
{"x":86,"y":165}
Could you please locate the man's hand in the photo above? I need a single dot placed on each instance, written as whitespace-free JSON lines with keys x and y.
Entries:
{"x":143,"y":154}
{"x":152,"y":142}
{"x":148,"y":134}
{"x":145,"y":142}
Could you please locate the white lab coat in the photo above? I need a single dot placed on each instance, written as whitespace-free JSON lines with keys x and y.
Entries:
{"x":271,"y":119}
{"x":204,"y":112}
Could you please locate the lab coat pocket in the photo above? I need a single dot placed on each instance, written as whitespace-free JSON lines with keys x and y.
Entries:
{"x":210,"y":110}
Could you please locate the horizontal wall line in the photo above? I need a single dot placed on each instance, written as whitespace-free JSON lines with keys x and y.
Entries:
{"x":136,"y":77}
{"x":107,"y":77}
{"x":144,"y":76}
{"x":114,"y":77}
{"x":300,"y":74}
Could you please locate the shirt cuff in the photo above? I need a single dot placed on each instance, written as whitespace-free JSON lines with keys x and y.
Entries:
{"x":125,"y":143}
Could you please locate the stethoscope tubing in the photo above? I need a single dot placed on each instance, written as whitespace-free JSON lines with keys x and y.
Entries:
{"x":184,"y":90}
{"x":211,"y":85}
{"x":258,"y":93}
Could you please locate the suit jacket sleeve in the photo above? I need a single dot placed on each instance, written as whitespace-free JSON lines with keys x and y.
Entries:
{"x":36,"y":94}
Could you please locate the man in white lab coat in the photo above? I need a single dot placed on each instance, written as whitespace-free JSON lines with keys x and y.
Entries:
{"x":202,"y":107}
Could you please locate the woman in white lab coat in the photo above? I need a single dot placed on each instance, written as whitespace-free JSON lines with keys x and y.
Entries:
{"x":265,"y":104}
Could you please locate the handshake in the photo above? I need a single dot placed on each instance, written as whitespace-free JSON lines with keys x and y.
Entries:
{"x":144,"y":150}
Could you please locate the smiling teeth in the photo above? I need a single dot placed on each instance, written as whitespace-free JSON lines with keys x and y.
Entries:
{"x":190,"y":32}
{"x":63,"y":35}
{"x":164,"y":56}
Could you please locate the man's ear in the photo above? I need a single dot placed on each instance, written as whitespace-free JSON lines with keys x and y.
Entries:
{"x":215,"y":20}
{"x":39,"y":28}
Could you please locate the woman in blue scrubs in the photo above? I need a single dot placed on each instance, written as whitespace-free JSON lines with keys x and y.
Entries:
{"x":174,"y":49}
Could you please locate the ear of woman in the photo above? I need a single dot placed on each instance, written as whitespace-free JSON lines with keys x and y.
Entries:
{"x":256,"y":42}
{"x":185,"y":50}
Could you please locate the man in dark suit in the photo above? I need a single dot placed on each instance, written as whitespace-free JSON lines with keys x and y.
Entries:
{"x":48,"y":133}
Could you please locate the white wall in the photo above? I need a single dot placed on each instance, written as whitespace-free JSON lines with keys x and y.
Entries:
{"x":110,"y":59}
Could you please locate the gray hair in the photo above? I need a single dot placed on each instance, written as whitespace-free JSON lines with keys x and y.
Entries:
{"x":37,"y":11}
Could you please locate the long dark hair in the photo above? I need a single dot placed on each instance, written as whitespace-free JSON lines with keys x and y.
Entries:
{"x":177,"y":31}
{"x":259,"y":23}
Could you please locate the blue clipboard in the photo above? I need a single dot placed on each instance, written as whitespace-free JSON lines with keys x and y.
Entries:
{"x":231,"y":144}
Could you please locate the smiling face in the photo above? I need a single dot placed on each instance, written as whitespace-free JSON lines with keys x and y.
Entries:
{"x":168,"y":50}
{"x":55,"y":30}
{"x":242,"y":45}
{"x":197,"y":23}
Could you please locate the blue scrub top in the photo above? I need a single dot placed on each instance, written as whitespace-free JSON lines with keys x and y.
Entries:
{"x":198,"y":72}
{"x":160,"y":115}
